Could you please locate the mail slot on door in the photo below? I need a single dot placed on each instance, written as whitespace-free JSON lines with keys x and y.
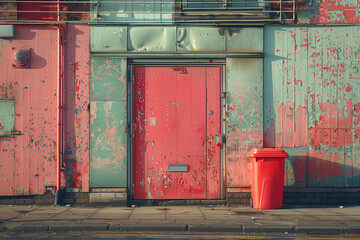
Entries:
{"x":177,"y":168}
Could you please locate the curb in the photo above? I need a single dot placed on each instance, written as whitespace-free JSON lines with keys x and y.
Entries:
{"x":153,"y":227}
{"x":199,"y":228}
{"x":320,"y":230}
{"x":215,"y":228}
{"x":268,"y":229}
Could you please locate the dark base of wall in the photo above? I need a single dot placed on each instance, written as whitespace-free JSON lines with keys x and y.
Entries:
{"x":48,"y":198}
{"x":74,"y":198}
{"x":323,"y":198}
{"x":238,"y":198}
{"x":311,"y":198}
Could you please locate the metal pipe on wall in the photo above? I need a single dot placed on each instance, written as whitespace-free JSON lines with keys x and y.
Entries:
{"x":59,"y":110}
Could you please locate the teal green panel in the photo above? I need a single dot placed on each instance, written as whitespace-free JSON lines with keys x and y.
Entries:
{"x":7,"y":117}
{"x":108,"y":79}
{"x":108,"y":38}
{"x":152,"y":39}
{"x":108,"y":150}
{"x":238,"y":39}
{"x":7,"y":31}
{"x":244,"y":113}
{"x":201,"y":39}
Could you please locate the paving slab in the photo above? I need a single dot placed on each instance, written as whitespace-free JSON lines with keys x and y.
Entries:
{"x":319,"y":220}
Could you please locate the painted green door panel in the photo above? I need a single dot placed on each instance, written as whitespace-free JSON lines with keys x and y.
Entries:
{"x":108,"y":79}
{"x":108,"y":142}
{"x":7,"y":120}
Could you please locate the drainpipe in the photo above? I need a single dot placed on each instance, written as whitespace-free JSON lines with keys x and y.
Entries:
{"x":59,"y":109}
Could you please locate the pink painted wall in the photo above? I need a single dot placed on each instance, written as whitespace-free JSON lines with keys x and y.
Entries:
{"x":76,"y":111}
{"x":28,"y":161}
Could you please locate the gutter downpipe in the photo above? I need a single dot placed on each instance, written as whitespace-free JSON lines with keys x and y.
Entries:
{"x":59,"y":110}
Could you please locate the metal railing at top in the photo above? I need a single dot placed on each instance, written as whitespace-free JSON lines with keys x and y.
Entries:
{"x":147,"y":11}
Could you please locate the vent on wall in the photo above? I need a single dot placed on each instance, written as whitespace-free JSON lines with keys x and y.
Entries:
{"x":21,"y":58}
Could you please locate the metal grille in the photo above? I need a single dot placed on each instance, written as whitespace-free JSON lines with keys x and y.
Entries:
{"x":147,"y":11}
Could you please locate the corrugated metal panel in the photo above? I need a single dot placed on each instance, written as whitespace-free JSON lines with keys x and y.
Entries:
{"x":152,"y":39}
{"x":244,"y":126}
{"x":108,"y":79}
{"x":108,"y":123}
{"x":137,"y":11}
{"x":246,"y":39}
{"x":7,"y":117}
{"x":108,"y":38}
{"x":200,"y":39}
{"x":311,"y":102}
{"x":28,"y":161}
{"x":108,"y":167}
{"x":76,"y":112}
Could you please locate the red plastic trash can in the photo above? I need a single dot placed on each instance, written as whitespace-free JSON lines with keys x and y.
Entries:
{"x":267,"y":177}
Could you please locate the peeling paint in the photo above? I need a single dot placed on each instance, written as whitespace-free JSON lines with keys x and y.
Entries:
{"x":108,"y":120}
{"x":316,"y":120}
{"x":181,"y":136}
{"x":76,"y":112}
{"x":328,"y":11}
{"x":244,"y":112}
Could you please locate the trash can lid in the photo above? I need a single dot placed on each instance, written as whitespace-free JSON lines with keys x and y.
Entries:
{"x":267,"y":152}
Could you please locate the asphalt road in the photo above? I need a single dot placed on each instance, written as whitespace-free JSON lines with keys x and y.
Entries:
{"x":162,"y":236}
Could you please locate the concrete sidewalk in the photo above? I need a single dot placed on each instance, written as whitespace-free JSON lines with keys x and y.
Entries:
{"x":233,"y":219}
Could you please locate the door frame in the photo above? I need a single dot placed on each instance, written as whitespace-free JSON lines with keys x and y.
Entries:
{"x":130,"y":105}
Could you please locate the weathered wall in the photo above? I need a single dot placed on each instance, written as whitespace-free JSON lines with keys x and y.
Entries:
{"x":108,"y":122}
{"x":312,"y":103}
{"x":76,"y":106}
{"x":28,"y":161}
{"x":244,"y":114}
{"x":328,"y":11}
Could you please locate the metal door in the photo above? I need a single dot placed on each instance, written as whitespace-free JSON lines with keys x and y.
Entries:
{"x":176,"y":121}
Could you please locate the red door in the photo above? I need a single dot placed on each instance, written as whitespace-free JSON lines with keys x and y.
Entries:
{"x":176,"y":121}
